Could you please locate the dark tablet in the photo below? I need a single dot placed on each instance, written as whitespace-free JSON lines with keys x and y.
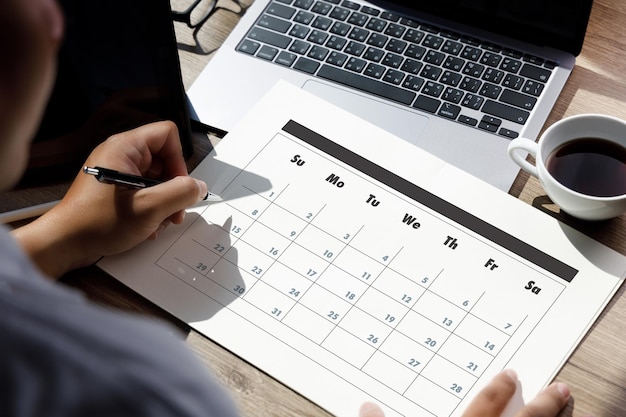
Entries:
{"x":118,"y":69}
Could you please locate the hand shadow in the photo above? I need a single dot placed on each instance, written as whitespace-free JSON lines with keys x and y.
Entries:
{"x":204,"y":259}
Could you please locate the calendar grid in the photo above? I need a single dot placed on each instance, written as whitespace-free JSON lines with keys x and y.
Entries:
{"x":408,"y":321}
{"x":258,"y":219}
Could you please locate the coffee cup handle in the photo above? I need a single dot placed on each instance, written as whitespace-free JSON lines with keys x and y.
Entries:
{"x":525,"y":144}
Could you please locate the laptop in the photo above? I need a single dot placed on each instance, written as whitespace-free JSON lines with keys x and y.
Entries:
{"x":460,"y":79}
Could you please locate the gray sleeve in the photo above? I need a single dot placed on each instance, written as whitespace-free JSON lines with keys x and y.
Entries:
{"x":61,"y":355}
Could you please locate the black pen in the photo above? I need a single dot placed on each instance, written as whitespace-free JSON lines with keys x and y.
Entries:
{"x":110,"y":176}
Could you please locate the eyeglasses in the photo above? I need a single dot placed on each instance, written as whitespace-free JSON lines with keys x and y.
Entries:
{"x":196,"y":14}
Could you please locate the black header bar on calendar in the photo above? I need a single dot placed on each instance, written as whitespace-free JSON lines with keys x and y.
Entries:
{"x":433,"y":202}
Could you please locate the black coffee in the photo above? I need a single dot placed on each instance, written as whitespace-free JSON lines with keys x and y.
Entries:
{"x":590,"y":166}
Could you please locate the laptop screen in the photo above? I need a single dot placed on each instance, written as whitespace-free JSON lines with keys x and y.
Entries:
{"x":118,"y":68}
{"x":560,"y":24}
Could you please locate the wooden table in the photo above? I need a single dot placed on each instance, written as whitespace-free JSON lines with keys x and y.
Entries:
{"x":596,"y":372}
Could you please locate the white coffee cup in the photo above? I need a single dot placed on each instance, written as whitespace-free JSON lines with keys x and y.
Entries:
{"x":577,"y":131}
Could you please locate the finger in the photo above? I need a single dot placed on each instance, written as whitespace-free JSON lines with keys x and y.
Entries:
{"x":158,"y":231}
{"x":548,"y":403}
{"x":169,"y":198}
{"x":370,"y":410}
{"x":151,"y":150}
{"x":163,"y":142}
{"x":493,"y":398}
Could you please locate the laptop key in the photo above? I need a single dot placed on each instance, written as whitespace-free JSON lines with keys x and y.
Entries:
{"x":534,"y":72}
{"x":470,"y":84}
{"x":449,"y":110}
{"x":413,"y":35}
{"x":396,"y":45}
{"x":336,"y":42}
{"x":303,"y":4}
{"x":451,"y":78}
{"x":508,"y":133}
{"x":434,"y":57}
{"x":249,"y":47}
{"x":433,"y":89}
{"x":394,"y":30}
{"x":299,"y":31}
{"x":285,"y":58}
{"x":321,"y":8}
{"x":411,"y":66}
{"x":513,"y":81}
{"x":306,"y":65}
{"x":267,"y":52}
{"x":471,"y":53}
{"x":451,"y":47}
{"x":340,"y":28}
{"x":318,"y":52}
{"x":431,"y":72}
{"x":318,"y":37}
{"x":274,"y":23}
{"x":281,"y":10}
{"x":412,"y":82}
{"x":299,"y":47}
{"x":490,"y":124}
{"x":377,"y":40}
{"x":377,"y":25}
{"x":472,"y":101}
{"x":533,"y":87}
{"x":426,"y":103}
{"x":358,"y":19}
{"x":490,"y":91}
{"x":340,"y":13}
{"x":394,"y":76}
{"x":390,"y":16}
{"x":370,"y":10}
{"x":366,"y":84}
{"x":350,"y":4}
{"x":355,"y":64}
{"x":415,"y":51}
{"x":359,"y":34}
{"x":506,"y":112}
{"x":337,"y":58}
{"x":452,"y":95}
{"x":374,"y":70}
{"x":374,"y":54}
{"x":432,"y":41}
{"x":322,"y":23}
{"x":518,"y":99}
{"x":511,"y":65}
{"x":392,"y":60}
{"x":354,"y":48}
{"x":304,"y":17}
{"x":467,"y":120}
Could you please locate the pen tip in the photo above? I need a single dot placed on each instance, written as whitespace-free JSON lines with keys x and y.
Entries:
{"x":212,"y":197}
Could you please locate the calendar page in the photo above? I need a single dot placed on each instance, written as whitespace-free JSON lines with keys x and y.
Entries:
{"x":352,"y":267}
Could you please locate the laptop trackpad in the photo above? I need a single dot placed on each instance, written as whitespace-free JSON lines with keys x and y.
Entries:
{"x":401,"y":122}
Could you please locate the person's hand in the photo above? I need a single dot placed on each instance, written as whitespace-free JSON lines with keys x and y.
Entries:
{"x":95,"y":219}
{"x":492,"y":400}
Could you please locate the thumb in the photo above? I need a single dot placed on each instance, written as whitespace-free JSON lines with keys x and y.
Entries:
{"x":171,"y":198}
{"x":370,"y":410}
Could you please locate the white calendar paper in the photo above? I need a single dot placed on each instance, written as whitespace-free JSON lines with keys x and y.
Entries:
{"x":352,"y":266}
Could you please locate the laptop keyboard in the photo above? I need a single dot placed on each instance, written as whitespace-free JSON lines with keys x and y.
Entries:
{"x":448,"y":74}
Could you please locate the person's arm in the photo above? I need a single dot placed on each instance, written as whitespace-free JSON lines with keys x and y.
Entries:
{"x":95,"y":219}
{"x":493,"y":399}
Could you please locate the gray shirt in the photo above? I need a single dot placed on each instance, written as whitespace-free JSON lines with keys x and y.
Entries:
{"x":61,"y":355}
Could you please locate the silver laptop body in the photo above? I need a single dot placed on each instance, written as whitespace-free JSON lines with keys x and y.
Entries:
{"x":505,"y":87}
